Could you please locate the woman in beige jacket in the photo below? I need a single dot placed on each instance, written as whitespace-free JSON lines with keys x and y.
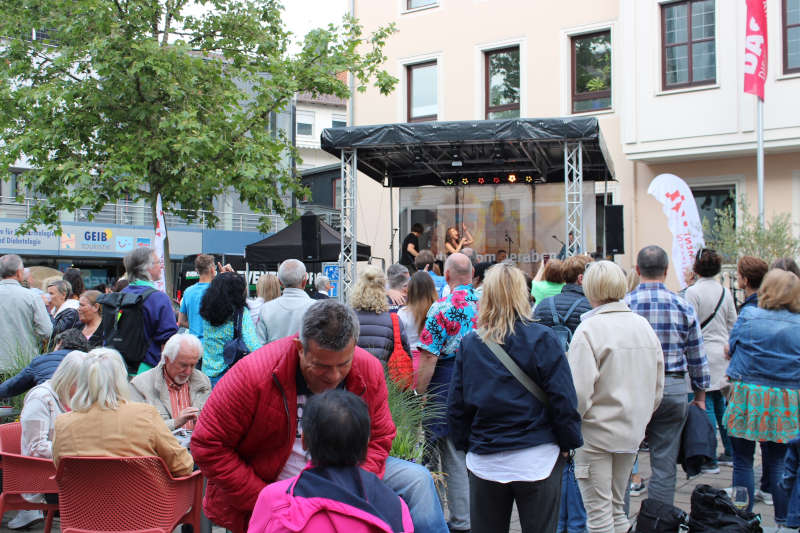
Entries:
{"x":618,"y":370}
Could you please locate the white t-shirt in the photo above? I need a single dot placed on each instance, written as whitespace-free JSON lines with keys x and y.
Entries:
{"x":527,"y":464}
{"x":297,"y":459}
{"x":410,"y":326}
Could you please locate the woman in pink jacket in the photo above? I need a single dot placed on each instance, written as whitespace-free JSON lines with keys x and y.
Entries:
{"x":333,"y":493}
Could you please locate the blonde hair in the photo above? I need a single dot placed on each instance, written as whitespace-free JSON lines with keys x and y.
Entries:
{"x":504,"y":301}
{"x":102,"y":380}
{"x":369,"y":293}
{"x":66,"y":375}
{"x":780,"y":289}
{"x":268,"y":287}
{"x":632,"y":279}
{"x":604,"y":282}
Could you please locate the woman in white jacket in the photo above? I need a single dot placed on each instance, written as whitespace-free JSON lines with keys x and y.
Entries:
{"x":618,"y":370}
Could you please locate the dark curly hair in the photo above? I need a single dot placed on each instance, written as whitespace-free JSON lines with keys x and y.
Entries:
{"x":224,"y":296}
{"x":73,"y":275}
{"x":707,"y":263}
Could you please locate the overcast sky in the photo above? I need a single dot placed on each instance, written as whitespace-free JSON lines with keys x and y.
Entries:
{"x":300,"y":16}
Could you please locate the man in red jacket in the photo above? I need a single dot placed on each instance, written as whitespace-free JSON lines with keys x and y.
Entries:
{"x":249,"y":435}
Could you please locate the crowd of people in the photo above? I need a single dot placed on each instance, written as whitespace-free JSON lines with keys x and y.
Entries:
{"x":547,"y":387}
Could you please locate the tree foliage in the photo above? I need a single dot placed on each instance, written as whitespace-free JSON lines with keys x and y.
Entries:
{"x":774,"y":240}
{"x":132,"y":98}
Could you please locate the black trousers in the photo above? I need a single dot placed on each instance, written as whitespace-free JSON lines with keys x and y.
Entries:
{"x":490,"y":503}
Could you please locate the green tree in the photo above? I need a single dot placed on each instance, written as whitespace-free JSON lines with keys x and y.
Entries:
{"x":132,"y":98}
{"x":776,"y":239}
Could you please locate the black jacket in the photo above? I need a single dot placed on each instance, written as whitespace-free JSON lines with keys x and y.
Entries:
{"x":571,"y":292}
{"x":376,"y":335}
{"x":490,"y":411}
{"x":698,"y":441}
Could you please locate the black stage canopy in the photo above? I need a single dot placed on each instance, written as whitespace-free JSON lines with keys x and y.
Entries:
{"x":472,"y":152}
{"x":288,"y":244}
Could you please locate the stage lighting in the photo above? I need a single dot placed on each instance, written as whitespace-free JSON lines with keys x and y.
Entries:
{"x":464,"y":181}
{"x":512,"y":178}
{"x":528,"y":179}
{"x":450,"y":181}
{"x":481,"y":180}
{"x":496,"y":180}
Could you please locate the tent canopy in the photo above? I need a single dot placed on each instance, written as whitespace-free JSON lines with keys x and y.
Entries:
{"x":288,"y":244}
{"x":464,"y":152}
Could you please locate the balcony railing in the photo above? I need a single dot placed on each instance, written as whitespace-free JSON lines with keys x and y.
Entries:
{"x":131,"y":214}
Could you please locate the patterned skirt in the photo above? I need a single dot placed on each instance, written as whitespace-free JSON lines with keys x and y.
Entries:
{"x":760,"y":413}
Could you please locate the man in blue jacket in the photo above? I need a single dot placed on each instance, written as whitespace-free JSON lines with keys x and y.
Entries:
{"x":42,"y":367}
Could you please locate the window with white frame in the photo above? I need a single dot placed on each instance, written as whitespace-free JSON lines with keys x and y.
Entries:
{"x":501,"y":83}
{"x":338,"y":121}
{"x":416,"y":4}
{"x":305,"y":123}
{"x":591,"y":71}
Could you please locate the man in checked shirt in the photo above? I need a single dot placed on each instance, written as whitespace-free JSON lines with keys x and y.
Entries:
{"x":676,"y":325}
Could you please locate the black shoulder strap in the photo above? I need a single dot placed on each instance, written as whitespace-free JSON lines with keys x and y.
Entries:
{"x":719,"y":303}
{"x":237,"y":324}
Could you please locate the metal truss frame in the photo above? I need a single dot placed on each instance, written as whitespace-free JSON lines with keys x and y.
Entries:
{"x":348,"y":257}
{"x":573,"y":197}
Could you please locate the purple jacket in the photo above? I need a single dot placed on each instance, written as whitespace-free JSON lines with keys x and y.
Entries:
{"x":159,"y":321}
{"x":327,"y":500}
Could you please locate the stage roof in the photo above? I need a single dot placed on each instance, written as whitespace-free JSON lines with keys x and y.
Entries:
{"x":467,"y":152}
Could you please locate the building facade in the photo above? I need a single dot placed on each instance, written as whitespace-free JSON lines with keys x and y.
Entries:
{"x":664,"y":78}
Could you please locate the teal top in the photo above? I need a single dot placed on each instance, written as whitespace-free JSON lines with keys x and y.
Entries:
{"x":215,"y":337}
{"x":545,"y":289}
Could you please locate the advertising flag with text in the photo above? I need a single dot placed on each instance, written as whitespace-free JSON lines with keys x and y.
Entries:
{"x":755,"y":48}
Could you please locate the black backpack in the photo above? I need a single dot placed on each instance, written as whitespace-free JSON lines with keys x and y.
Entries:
{"x":123,"y":325}
{"x":235,"y":349}
{"x":559,"y":326}
{"x":713,"y":511}
{"x":658,"y":517}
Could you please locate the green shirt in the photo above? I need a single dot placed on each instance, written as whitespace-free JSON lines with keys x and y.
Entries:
{"x":544,"y":289}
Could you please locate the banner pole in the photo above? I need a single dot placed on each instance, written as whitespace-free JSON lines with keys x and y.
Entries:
{"x":760,"y":160}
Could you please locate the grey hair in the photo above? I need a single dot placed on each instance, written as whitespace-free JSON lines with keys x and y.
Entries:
{"x":63,"y":286}
{"x":10,"y":264}
{"x":330,"y":324}
{"x":291,"y":273}
{"x":66,"y":375}
{"x":137,"y":263}
{"x":397,"y":275}
{"x":652,"y":262}
{"x":321,"y":283}
{"x":173,"y":346}
{"x":102,"y":381}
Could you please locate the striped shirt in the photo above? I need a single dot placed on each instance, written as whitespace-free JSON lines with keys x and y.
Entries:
{"x":179,"y":399}
{"x":675,"y":323}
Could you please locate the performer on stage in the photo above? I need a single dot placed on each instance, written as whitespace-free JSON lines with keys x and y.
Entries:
{"x":453,"y":242}
{"x":410,"y":247}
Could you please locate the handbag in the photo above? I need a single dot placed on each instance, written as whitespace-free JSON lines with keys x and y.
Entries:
{"x":235,"y":349}
{"x":516,"y":371}
{"x":714,"y":512}
{"x":401,"y":367}
{"x":659,"y":517}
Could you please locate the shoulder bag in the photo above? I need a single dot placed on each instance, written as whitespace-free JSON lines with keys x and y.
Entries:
{"x":516,"y":371}
{"x":401,"y":367}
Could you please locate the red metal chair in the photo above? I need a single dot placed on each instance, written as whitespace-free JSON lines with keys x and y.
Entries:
{"x":23,"y":474}
{"x":126,"y":494}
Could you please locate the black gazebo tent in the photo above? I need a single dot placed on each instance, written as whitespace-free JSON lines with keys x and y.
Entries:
{"x":288,"y":244}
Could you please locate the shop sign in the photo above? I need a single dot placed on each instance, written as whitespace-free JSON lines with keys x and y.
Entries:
{"x":33,"y":240}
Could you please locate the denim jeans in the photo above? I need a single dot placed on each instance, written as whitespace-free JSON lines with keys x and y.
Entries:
{"x":715,"y":409}
{"x":773,"y":454}
{"x":414,"y":484}
{"x":571,"y":515}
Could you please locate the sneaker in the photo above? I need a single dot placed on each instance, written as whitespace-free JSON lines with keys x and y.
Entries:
{"x":638,"y":488}
{"x":725,"y":460}
{"x":710,"y":468}
{"x":25,"y":519}
{"x":763,"y":497}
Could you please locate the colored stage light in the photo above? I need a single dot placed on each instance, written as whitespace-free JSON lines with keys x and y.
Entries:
{"x":481,"y":180}
{"x":528,"y":179}
{"x":512,"y":178}
{"x":496,"y":180}
{"x":450,"y":181}
{"x":464,"y":181}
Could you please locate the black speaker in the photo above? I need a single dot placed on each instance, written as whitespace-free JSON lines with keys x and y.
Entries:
{"x":310,"y":237}
{"x":615,"y":230}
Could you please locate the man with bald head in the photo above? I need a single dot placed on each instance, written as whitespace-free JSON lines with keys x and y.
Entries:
{"x":448,"y":321}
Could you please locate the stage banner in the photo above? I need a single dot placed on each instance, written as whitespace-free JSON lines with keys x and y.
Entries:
{"x":755,"y":48}
{"x":683,"y":220}
{"x":158,"y":245}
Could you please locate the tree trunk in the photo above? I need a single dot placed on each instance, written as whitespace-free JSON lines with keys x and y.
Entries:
{"x":168,"y":276}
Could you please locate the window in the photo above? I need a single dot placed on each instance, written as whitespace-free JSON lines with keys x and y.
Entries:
{"x":305,"y":123}
{"x":591,"y":72}
{"x":415,"y":4}
{"x":338,"y":121}
{"x":791,"y":36}
{"x":422,"y":92}
{"x":711,"y":199}
{"x":502,"y":83}
{"x":688,"y":51}
{"x":337,"y":193}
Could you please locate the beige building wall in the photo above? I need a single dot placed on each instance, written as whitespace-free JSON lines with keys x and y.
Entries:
{"x":705,"y":135}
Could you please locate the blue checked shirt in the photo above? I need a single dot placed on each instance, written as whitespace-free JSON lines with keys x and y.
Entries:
{"x":675,"y":323}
